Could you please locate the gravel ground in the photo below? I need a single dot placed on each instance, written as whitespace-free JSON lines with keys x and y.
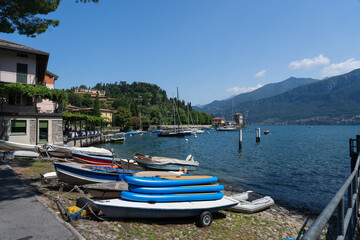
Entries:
{"x":276,"y":222}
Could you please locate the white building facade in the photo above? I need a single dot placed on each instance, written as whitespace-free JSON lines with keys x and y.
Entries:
{"x":27,"y":119}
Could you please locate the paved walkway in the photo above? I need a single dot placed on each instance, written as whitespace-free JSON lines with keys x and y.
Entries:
{"x":23,"y":216}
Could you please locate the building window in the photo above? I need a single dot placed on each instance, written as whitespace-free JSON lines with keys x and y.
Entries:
{"x":18,"y":126}
{"x":43,"y":131}
{"x":21,"y":73}
{"x":23,"y":55}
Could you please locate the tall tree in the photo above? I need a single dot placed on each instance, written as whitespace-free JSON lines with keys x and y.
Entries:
{"x":123,"y":118}
{"x":96,"y":111}
{"x":23,"y":15}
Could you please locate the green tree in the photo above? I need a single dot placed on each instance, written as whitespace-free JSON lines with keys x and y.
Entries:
{"x":87,"y":101}
{"x":96,"y":110}
{"x":123,"y":118}
{"x":23,"y":15}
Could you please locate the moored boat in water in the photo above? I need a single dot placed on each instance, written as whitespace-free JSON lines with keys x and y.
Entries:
{"x":118,"y":138}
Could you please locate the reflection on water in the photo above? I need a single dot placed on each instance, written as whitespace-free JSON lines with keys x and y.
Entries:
{"x":298,"y":166}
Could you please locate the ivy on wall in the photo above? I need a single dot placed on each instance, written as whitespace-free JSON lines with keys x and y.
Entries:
{"x":39,"y":91}
{"x":78,"y":116}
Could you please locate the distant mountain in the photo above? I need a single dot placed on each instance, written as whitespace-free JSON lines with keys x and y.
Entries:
{"x":224,"y":107}
{"x":332,"y":100}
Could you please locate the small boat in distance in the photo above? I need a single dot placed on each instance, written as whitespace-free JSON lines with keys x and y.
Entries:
{"x":118,"y":138}
{"x":266,"y":132}
{"x":227,"y":128}
{"x":173,"y":133}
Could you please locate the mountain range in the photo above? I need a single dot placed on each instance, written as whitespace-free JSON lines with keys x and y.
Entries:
{"x":334,"y":100}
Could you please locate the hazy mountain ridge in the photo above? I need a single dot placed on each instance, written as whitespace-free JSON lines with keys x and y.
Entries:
{"x":333,"y":98}
{"x":330,"y":100}
{"x":224,"y":107}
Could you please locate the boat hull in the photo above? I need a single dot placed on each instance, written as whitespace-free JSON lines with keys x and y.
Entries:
{"x":167,"y":167}
{"x":106,"y":190}
{"x":85,"y":158}
{"x":155,"y":198}
{"x":119,"y":208}
{"x":77,"y":174}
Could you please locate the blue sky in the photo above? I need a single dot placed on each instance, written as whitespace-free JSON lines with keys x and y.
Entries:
{"x":210,"y":49}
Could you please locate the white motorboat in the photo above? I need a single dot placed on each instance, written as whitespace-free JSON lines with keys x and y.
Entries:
{"x":246,"y":206}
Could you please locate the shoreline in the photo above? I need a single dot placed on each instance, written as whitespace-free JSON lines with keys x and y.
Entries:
{"x":275,"y":223}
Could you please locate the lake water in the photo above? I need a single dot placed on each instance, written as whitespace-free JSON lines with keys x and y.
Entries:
{"x":299,"y":166}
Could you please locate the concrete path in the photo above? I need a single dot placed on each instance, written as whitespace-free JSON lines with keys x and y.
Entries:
{"x":23,"y":216}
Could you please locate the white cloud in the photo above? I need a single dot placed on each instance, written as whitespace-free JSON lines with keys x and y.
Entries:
{"x":340,"y":68}
{"x":309,"y":62}
{"x":260,"y":74}
{"x":238,"y":90}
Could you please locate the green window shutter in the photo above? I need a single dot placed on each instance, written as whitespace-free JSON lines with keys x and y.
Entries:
{"x":21,"y":73}
{"x":18,"y":126}
{"x":43,"y":124}
{"x":18,"y":123}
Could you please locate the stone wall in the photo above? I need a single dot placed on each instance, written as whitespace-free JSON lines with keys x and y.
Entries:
{"x":57,"y":131}
{"x":32,"y":131}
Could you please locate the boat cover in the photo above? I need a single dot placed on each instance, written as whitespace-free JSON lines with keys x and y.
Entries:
{"x":9,"y":146}
{"x":164,"y":160}
{"x":66,"y":151}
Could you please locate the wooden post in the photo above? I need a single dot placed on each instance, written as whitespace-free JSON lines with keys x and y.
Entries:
{"x":75,"y":133}
{"x":257,"y":132}
{"x":240,"y":139}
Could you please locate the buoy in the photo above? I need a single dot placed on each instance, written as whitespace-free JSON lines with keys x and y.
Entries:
{"x":186,"y":140}
{"x":195,"y":135}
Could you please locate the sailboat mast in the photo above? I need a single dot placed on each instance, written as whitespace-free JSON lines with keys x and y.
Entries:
{"x":177,"y":88}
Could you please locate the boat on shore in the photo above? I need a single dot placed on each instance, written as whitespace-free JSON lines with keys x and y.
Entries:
{"x":159,"y":204}
{"x":167,"y":164}
{"x":251,"y":206}
{"x":14,"y":146}
{"x":129,"y":164}
{"x":120,"y":208}
{"x":66,"y":152}
{"x":79,"y":174}
{"x":106,"y":190}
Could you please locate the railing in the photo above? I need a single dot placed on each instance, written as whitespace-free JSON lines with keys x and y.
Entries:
{"x":346,"y":223}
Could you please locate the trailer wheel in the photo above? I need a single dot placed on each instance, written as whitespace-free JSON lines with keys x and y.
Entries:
{"x":205,"y":219}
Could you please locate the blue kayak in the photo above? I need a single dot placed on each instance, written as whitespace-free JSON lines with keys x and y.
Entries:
{"x":170,"y":181}
{"x":176,"y":189}
{"x":139,"y":197}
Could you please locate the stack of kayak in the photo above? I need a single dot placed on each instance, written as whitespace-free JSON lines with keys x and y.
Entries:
{"x":168,"y":197}
{"x":172,"y":189}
